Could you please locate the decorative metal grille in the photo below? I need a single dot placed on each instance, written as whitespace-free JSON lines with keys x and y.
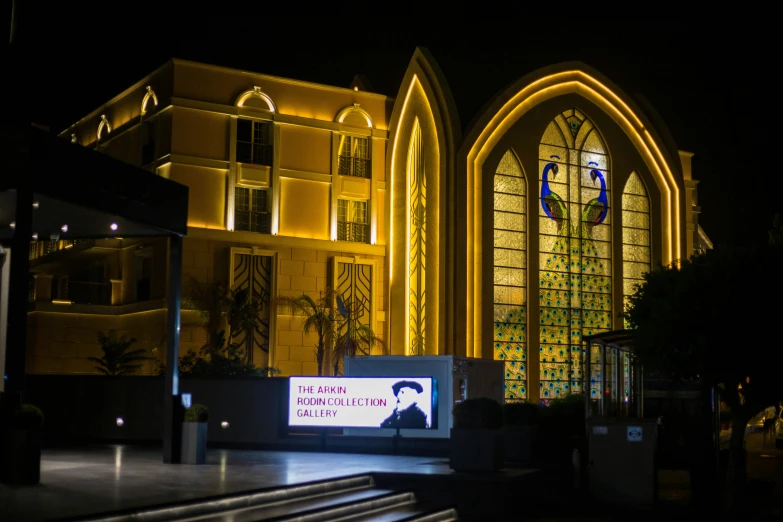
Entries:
{"x":418,"y":241}
{"x":254,"y":272}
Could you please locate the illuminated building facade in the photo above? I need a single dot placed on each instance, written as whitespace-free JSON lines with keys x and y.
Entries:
{"x":511,"y":241}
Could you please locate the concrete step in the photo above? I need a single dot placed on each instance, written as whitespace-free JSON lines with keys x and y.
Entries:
{"x":202,"y":509}
{"x":407,"y":513}
{"x":352,"y":509}
{"x":305,"y":508}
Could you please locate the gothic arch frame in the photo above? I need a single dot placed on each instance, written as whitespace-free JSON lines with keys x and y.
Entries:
{"x":508,"y":108}
{"x":424,"y":92}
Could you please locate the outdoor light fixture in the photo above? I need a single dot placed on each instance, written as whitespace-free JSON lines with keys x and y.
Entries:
{"x":12,"y":224}
{"x":64,"y":228}
{"x":120,"y":422}
{"x":66,"y":302}
{"x":113,"y":226}
{"x":35,"y":237}
{"x":355,"y":88}
{"x":36,"y":204}
{"x":224,"y":425}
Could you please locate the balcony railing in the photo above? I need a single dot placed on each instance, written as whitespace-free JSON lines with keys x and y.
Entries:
{"x":85,"y":292}
{"x":357,"y":167}
{"x":357,"y":232}
{"x":46,"y":247}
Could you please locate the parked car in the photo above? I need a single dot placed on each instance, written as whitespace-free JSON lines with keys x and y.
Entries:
{"x":779,"y":430}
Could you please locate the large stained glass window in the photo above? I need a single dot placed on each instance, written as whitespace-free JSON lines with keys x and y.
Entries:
{"x":510,"y":275}
{"x":575,"y":249}
{"x":636,"y":234}
{"x":418,"y":241}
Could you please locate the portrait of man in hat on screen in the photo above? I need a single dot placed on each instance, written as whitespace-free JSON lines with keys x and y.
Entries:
{"x":406,"y":414}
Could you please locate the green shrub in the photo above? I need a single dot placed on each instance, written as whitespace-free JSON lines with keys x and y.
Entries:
{"x":479,"y":413}
{"x":519,"y":413}
{"x":28,"y":417}
{"x":197,"y":413}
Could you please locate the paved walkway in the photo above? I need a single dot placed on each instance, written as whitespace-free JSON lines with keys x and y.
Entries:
{"x":76,"y":482}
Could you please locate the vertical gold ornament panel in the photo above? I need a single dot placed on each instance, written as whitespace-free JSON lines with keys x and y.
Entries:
{"x":414,"y":222}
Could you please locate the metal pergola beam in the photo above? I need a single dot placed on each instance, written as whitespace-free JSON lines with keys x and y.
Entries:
{"x":82,"y":185}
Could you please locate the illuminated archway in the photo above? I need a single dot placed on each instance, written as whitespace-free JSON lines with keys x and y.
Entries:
{"x":521,"y":98}
{"x":103,"y":125}
{"x":247,"y":99}
{"x":150,"y":95}
{"x":354,"y":115}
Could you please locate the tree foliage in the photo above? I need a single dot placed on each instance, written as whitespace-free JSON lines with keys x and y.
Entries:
{"x":337,"y":321}
{"x":318,"y":318}
{"x":217,"y":306}
{"x":118,"y":358}
{"x":714,"y":318}
{"x":353,"y":337}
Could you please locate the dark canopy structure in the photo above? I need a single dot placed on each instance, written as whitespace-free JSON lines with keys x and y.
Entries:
{"x":53,"y":189}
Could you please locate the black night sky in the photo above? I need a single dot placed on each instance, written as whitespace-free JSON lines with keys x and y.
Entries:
{"x":708,"y":80}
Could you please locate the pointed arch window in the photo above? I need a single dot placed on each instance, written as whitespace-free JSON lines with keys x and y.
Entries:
{"x":417,"y":242}
{"x":636,"y":234}
{"x":510,"y":275}
{"x":575,"y":249}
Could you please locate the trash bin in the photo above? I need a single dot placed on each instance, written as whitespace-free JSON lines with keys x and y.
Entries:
{"x":621,"y":466}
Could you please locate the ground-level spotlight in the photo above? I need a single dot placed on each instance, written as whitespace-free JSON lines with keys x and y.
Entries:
{"x":113,"y":226}
{"x":120,"y":422}
{"x":224,"y":425}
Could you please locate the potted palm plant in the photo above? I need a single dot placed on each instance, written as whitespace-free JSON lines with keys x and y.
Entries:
{"x":118,"y":358}
{"x":318,"y":318}
{"x":23,"y":446}
{"x":194,"y":435}
{"x":519,"y":430}
{"x":352,"y":337}
{"x":477,"y":436}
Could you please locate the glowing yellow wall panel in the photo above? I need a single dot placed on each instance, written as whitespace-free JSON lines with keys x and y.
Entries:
{"x":379,"y":159}
{"x":417,"y":186}
{"x":217,"y":85}
{"x":305,"y":149}
{"x":304,"y":208}
{"x":206,"y":194}
{"x":380,"y":202}
{"x":126,"y":146}
{"x":199,"y":133}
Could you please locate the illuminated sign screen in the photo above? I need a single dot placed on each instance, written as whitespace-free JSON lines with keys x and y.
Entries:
{"x":363,"y":402}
